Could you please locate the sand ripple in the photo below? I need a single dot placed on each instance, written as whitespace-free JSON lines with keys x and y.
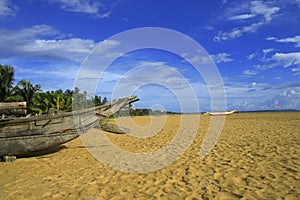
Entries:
{"x":256,"y":157}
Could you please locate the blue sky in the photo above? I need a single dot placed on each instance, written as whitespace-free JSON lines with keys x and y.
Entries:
{"x":254,"y":44}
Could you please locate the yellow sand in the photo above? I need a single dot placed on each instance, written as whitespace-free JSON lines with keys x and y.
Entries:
{"x":256,"y":157}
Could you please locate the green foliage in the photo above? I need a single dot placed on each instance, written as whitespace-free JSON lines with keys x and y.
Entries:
{"x":39,"y":102}
{"x":15,"y":98}
{"x":80,"y":99}
{"x":6,"y":81}
{"x":97,"y":100}
{"x":26,"y":90}
{"x":58,"y":100}
{"x":104,"y":101}
{"x":138,"y":112}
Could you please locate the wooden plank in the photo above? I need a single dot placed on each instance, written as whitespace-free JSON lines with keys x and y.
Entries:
{"x":12,"y":105}
{"x":15,"y":108}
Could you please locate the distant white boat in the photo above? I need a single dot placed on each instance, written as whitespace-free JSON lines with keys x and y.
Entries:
{"x":222,"y":113}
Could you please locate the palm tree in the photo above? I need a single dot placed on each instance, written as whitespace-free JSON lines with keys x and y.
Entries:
{"x":62,"y":100}
{"x":79,"y":99}
{"x":26,"y":90}
{"x":58,"y":100}
{"x":6,"y":81}
{"x":104,"y":100}
{"x":97,"y":100}
{"x":42,"y":102}
{"x":67,"y":101}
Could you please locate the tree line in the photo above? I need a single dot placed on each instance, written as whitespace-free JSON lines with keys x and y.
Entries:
{"x":38,"y":101}
{"x":142,"y":112}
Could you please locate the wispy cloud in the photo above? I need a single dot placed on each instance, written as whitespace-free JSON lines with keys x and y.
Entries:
{"x":259,"y":11}
{"x":297,"y":2}
{"x":224,"y":1}
{"x":250,"y":72}
{"x":267,"y":50}
{"x":7,"y":8}
{"x":259,"y":8}
{"x":287,"y":59}
{"x":261,"y":95}
{"x":261,"y":55}
{"x":251,"y":56}
{"x":271,"y":59}
{"x":296,"y":71}
{"x":153,"y":81}
{"x":295,"y":39}
{"x":31,"y":42}
{"x":83,"y":6}
{"x":73,"y":49}
{"x":143,"y":73}
{"x":221,"y":57}
{"x":203,"y":59}
{"x":243,"y":16}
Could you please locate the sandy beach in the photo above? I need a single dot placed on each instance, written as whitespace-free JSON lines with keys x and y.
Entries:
{"x":257,"y":156}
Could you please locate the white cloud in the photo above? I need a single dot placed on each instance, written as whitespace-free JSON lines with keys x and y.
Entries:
{"x":278,"y":59}
{"x":267,"y":50}
{"x":203,"y":59}
{"x":263,"y":56}
{"x":197,"y":58}
{"x":31,"y":42}
{"x":250,"y":72}
{"x":243,"y":16}
{"x":7,"y":9}
{"x":74,"y":49}
{"x":82,"y":6}
{"x":251,"y":56}
{"x":259,"y":96}
{"x":58,"y":72}
{"x":259,"y":11}
{"x":18,"y":37}
{"x":221,"y":57}
{"x":288,"y":98}
{"x":237,"y":32}
{"x":296,"y":71}
{"x":271,"y":38}
{"x":152,"y":63}
{"x":295,"y":39}
{"x":151,"y":81}
{"x":154,"y":72}
{"x":297,"y":2}
{"x":287,"y":59}
{"x":259,"y":8}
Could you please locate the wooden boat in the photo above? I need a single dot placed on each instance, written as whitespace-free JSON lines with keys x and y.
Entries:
{"x":221,"y":113}
{"x":25,"y":135}
{"x":15,"y":108}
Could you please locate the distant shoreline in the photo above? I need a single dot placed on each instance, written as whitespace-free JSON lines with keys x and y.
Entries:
{"x":257,"y":111}
{"x":250,"y":111}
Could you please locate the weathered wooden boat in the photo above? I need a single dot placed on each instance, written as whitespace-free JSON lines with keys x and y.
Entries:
{"x":26,"y":135}
{"x":14,"y":108}
{"x":222,"y":113}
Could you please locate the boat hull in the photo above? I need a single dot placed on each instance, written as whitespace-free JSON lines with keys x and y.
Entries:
{"x":26,"y":145}
{"x":26,"y":135}
{"x":23,"y":138}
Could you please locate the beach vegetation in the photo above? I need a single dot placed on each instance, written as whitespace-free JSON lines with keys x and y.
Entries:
{"x":39,"y":101}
